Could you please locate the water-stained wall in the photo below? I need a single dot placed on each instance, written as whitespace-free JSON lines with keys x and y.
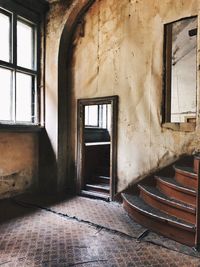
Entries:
{"x":118,"y":50}
{"x":18,"y":163}
{"x":19,"y":143}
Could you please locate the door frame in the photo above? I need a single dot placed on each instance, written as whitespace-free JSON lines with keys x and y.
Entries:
{"x":81,"y":103}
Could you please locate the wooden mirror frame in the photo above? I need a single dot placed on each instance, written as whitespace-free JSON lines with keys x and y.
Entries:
{"x":113,"y":100}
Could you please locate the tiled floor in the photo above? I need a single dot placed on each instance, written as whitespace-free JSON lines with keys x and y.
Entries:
{"x":77,"y":232}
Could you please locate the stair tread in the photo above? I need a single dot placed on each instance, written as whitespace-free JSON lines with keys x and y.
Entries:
{"x":174,"y":183}
{"x":103,"y":177}
{"x":158,"y":194}
{"x":138,"y":203}
{"x":187,"y":170}
{"x":95,"y":194}
{"x":99,"y":186}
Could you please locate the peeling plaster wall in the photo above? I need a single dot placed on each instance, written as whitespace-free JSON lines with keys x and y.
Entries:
{"x":18,"y":163}
{"x":121,"y":53}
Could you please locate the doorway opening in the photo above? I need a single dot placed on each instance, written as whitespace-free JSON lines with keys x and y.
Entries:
{"x":97,"y":147}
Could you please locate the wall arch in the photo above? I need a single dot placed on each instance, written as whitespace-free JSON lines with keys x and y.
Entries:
{"x":66,"y":166}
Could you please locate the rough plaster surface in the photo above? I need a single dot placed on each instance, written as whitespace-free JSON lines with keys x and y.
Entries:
{"x":56,"y":18}
{"x":121,"y":53}
{"x":18,"y":163}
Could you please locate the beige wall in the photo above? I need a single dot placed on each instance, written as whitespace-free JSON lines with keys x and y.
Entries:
{"x":56,"y":18}
{"x":121,"y":53}
{"x":18,"y":163}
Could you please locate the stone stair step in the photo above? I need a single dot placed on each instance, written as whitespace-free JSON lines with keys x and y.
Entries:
{"x":95,"y":195}
{"x":102,"y":179}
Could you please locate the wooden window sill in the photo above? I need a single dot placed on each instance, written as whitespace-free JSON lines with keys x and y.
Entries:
{"x":181,"y":127}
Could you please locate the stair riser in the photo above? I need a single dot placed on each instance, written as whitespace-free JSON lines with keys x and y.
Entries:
{"x":176,"y":194}
{"x":186,"y":181}
{"x":178,"y":234}
{"x":103,"y":172}
{"x":196,"y":165}
{"x":167,"y":208}
{"x":102,"y":180}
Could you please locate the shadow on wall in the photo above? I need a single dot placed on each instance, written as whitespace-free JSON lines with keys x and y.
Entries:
{"x":47,"y":165}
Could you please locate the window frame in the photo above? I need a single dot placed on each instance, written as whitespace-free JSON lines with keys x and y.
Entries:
{"x":19,"y":13}
{"x":167,"y":75}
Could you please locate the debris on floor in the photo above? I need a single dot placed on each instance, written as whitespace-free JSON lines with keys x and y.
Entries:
{"x":78,"y":231}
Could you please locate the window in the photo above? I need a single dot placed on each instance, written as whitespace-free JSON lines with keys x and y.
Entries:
{"x":98,"y":116}
{"x":180,"y":85}
{"x":18,"y":69}
{"x":92,"y":116}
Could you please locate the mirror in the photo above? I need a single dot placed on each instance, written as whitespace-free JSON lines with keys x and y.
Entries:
{"x":180,"y":66}
{"x":97,"y":123}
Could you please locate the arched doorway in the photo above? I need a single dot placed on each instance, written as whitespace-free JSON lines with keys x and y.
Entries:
{"x":66,"y":164}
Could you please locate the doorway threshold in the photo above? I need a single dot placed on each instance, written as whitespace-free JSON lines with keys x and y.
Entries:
{"x":95,"y":195}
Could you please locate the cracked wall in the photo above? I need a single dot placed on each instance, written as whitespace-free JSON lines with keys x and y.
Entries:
{"x":120,"y":52}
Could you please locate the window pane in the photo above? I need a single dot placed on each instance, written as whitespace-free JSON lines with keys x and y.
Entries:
{"x":86,"y":115}
{"x":109,"y":117}
{"x":104,"y":116}
{"x":5,"y":37}
{"x":5,"y":94}
{"x":25,"y":45}
{"x":23,"y":97}
{"x":91,"y":115}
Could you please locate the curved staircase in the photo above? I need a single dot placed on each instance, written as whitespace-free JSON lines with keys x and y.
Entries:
{"x":168,"y":203}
